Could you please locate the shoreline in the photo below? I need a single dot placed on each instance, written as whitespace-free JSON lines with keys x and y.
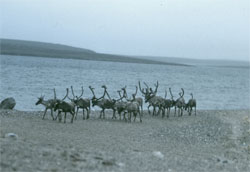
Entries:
{"x":120,"y":59}
{"x":213,"y":140}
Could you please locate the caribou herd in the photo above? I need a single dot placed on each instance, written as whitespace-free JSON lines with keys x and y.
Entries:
{"x":125,"y":107}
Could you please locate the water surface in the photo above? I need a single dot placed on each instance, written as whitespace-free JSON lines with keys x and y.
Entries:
{"x":26,"y":78}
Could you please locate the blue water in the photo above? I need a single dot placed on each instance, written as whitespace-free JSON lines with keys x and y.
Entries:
{"x":26,"y":78}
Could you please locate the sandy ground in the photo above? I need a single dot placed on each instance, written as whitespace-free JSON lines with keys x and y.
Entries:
{"x":210,"y":141}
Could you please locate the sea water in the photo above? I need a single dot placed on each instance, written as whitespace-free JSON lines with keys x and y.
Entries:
{"x":27,"y":78}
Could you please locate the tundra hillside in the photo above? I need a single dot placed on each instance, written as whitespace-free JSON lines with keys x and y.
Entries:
{"x":41,"y":49}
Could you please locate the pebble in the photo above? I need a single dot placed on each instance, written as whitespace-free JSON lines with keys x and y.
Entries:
{"x":225,"y":161}
{"x":11,"y":135}
{"x":120,"y":164}
{"x":108,"y":162}
{"x":158,"y":154}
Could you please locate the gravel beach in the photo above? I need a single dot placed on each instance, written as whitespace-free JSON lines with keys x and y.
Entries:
{"x":211,"y":141}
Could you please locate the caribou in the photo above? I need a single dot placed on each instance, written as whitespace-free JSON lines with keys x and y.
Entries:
{"x":103,"y":103}
{"x":173,"y":101}
{"x":180,"y":103}
{"x":139,"y":100}
{"x":80,"y":103}
{"x":167,"y":104}
{"x":133,"y":107}
{"x":49,"y":104}
{"x":121,"y":105}
{"x":65,"y":107}
{"x":151,"y":98}
{"x":190,"y":105}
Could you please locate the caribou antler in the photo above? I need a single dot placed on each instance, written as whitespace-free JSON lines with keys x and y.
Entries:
{"x":142,"y":90}
{"x":156,"y":87}
{"x":136,"y":90}
{"x":166,"y":93}
{"x":54,"y":93}
{"x":119,"y":92}
{"x":125,"y":92}
{"x":92,"y":90}
{"x":121,"y":97}
{"x":108,"y":94}
{"x":146,"y":85}
{"x":66,"y":94}
{"x":72,"y":99}
{"x":105,"y":92}
{"x":72,"y":90}
{"x":172,"y":97}
{"x":81,"y":93}
{"x":74,"y":94}
{"x":182,"y":92}
{"x":124,"y":87}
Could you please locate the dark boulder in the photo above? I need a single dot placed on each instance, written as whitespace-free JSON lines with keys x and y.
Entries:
{"x":8,"y":103}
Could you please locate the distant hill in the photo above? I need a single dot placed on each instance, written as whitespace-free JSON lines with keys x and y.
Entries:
{"x":41,"y":49}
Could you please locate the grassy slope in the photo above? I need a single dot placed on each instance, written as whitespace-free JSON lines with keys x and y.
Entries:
{"x":32,"y":48}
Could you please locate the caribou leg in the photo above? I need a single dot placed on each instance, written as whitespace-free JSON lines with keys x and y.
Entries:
{"x":83,"y":114}
{"x":120,"y":116}
{"x":59,"y":116}
{"x":87,"y":113}
{"x":134,"y":115}
{"x":45,"y":112}
{"x":140,"y":117}
{"x":51,"y":111}
{"x":76,"y":112}
{"x":72,"y":117}
{"x":149,"y":109}
{"x":163,"y":112}
{"x":159,"y":110}
{"x":113,"y":117}
{"x":141,"y":109}
{"x":129,"y":117}
{"x":124,"y":116}
{"x":65,"y":117}
{"x":153,"y":110}
{"x":101,"y":113}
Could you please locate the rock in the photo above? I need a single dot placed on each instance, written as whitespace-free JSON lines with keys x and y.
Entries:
{"x":8,"y":103}
{"x":11,"y":135}
{"x":225,"y":161}
{"x":120,"y":164}
{"x":108,"y":162}
{"x":158,"y":154}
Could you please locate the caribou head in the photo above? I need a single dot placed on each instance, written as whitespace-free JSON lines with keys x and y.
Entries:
{"x":58,"y":102}
{"x":75,"y":99}
{"x":40,"y":100}
{"x":149,"y":93}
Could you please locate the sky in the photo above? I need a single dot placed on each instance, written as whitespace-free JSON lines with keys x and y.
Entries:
{"x":199,"y":29}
